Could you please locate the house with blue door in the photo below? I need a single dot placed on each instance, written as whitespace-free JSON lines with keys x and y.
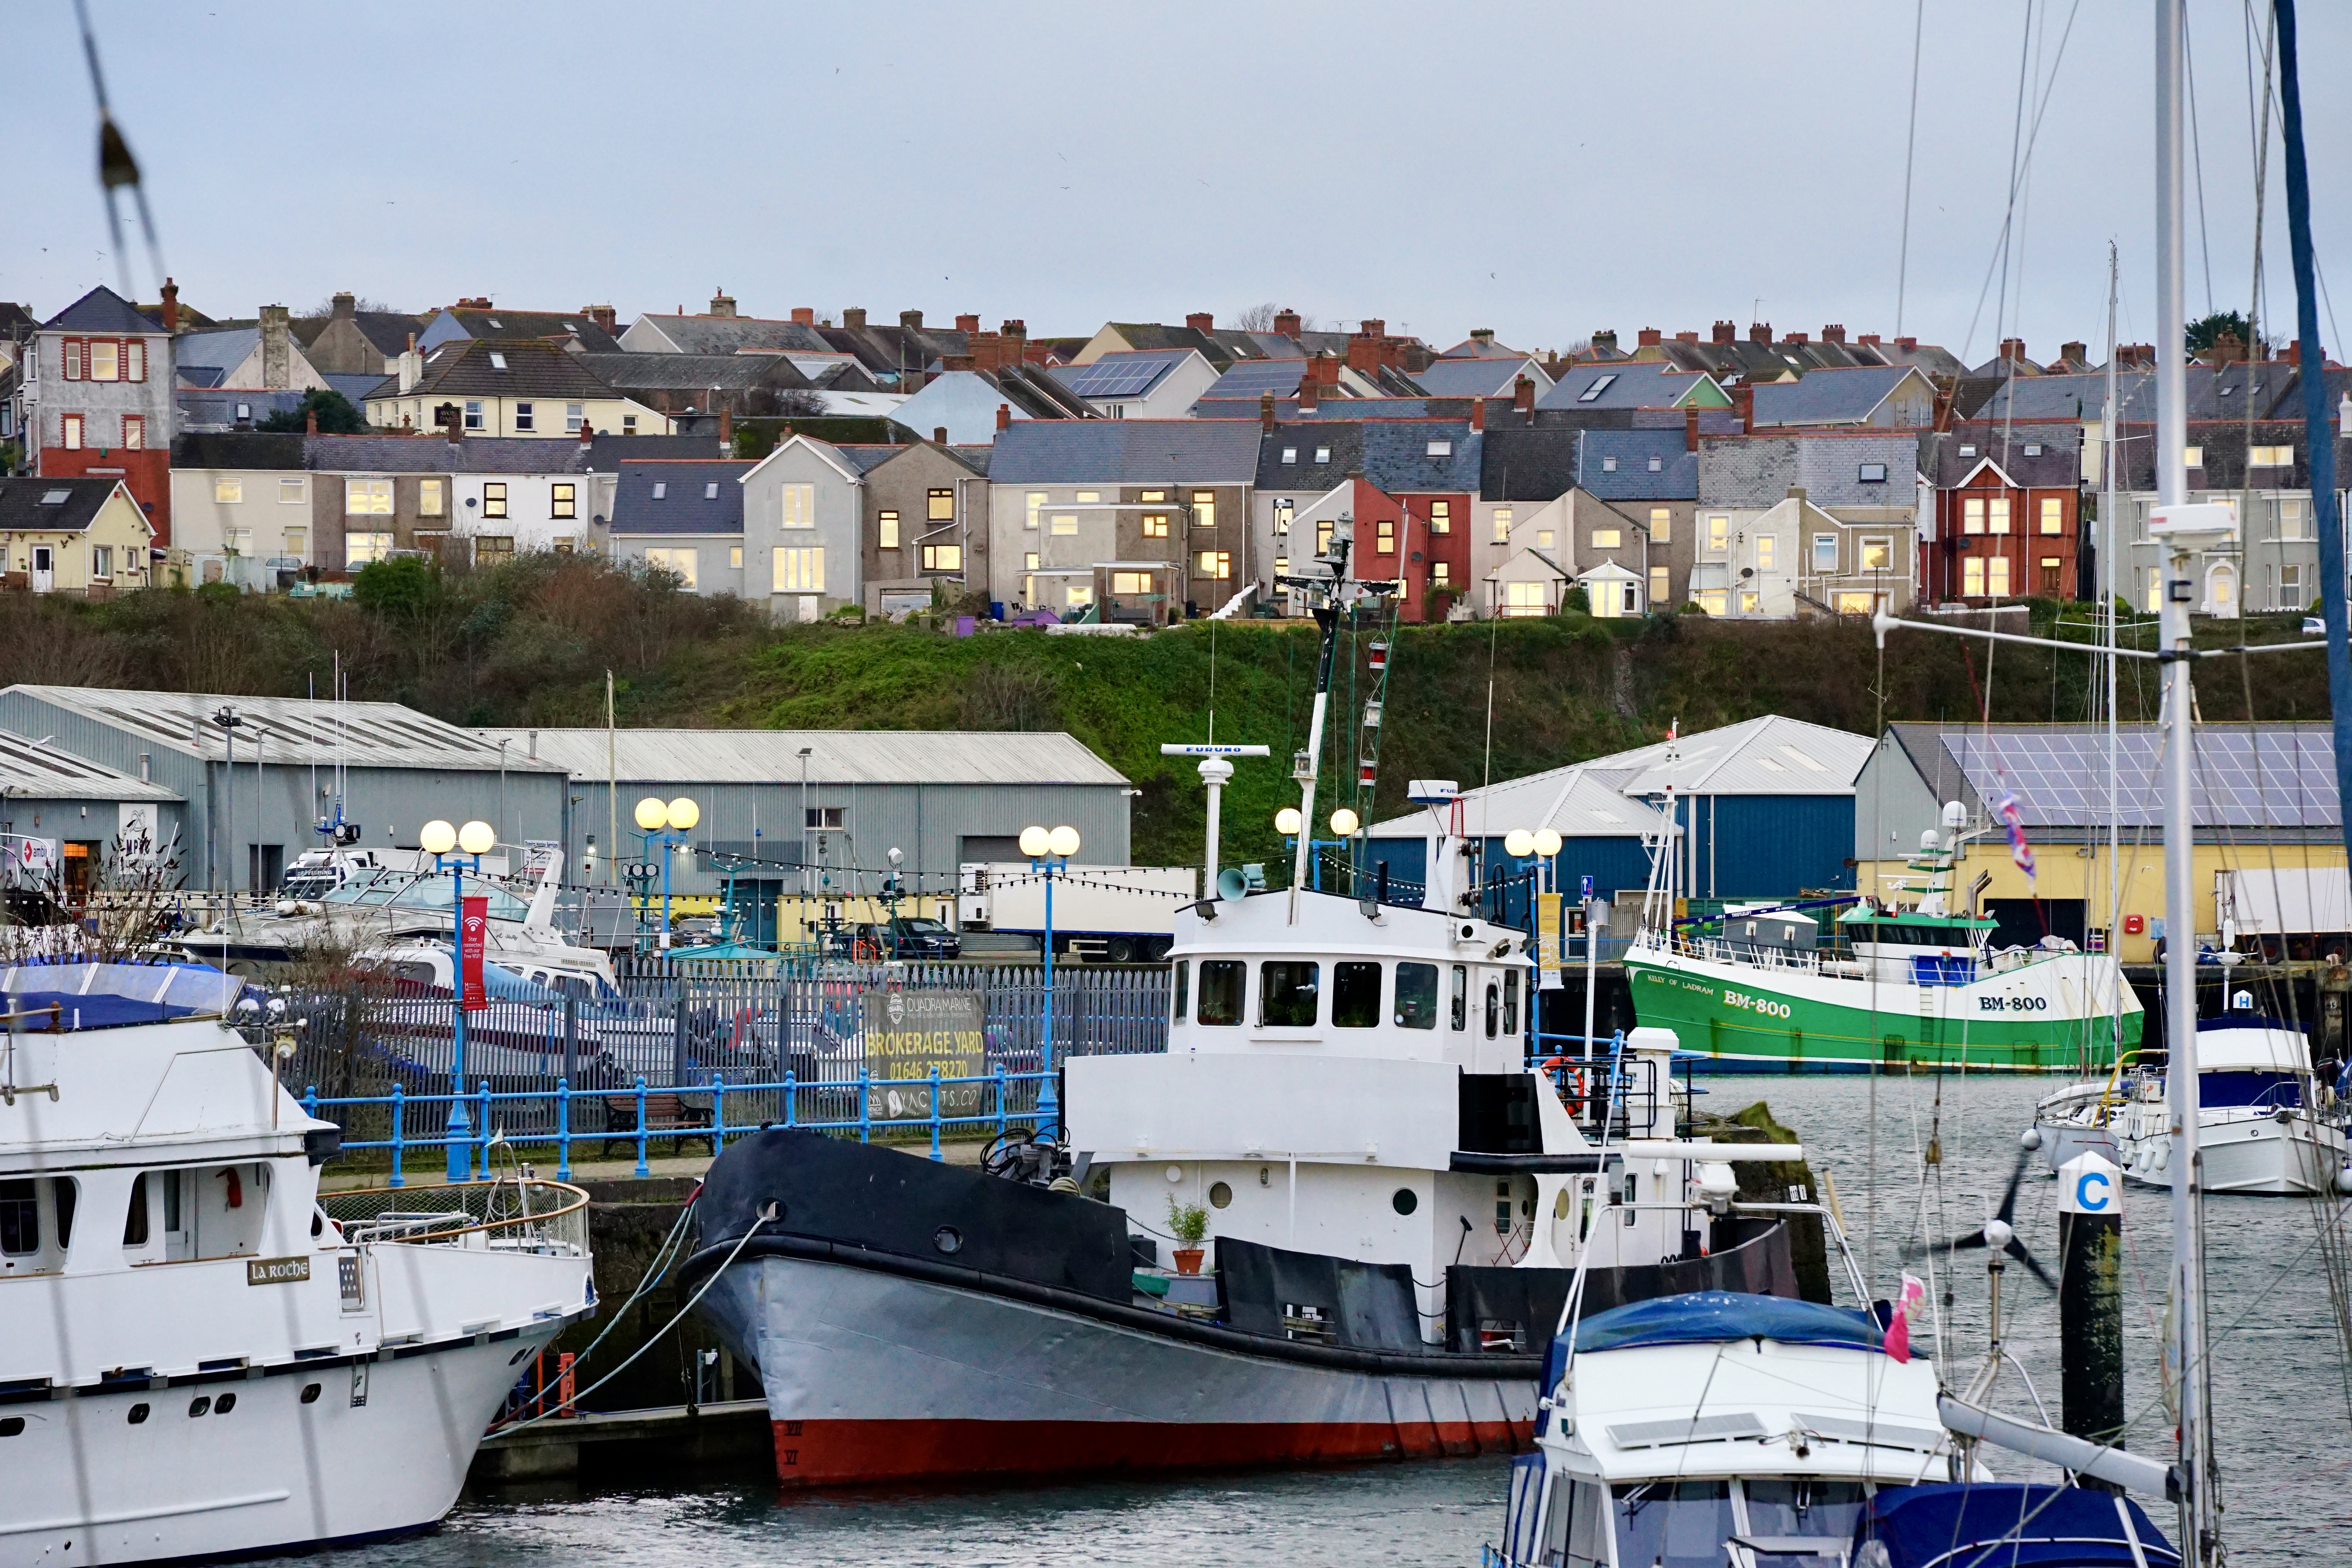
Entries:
{"x":1761,"y":809}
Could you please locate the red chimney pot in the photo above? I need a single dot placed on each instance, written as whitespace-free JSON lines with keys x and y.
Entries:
{"x":1004,"y":416}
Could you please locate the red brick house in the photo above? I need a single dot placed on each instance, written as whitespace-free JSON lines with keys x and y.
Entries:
{"x":2008,"y":522}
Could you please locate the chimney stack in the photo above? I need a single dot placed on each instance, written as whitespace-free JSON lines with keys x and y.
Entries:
{"x":171,"y":310}
{"x":1323,"y":370}
{"x":2012,"y":348}
{"x":1201,"y":321}
{"x":1690,"y":429}
{"x":1604,"y":343}
{"x":1482,"y":335}
{"x":1287,"y":324}
{"x":968,"y":323}
{"x":1726,"y":332}
{"x":1759,"y":332}
{"x":1523,"y":395}
{"x":1797,"y":338}
{"x":1909,"y":345}
{"x":2074,"y":354}
{"x":910,"y":321}
{"x":940,"y":435}
{"x":722,"y":303}
{"x":309,"y":422}
{"x":1648,"y":337}
{"x":1685,"y":337}
{"x":1016,"y":349}
{"x":276,"y":349}
{"x":986,"y":349}
{"x":853,"y":317}
{"x":1265,"y":411}
{"x":1834,"y":334}
{"x":805,"y":315}
{"x":345,"y":306}
{"x":1869,"y":339}
{"x":2293,"y":355}
{"x":1004,"y":416}
{"x":605,"y":316}
{"x":955,"y":361}
{"x":1743,"y":401}
{"x":412,"y":366}
{"x":453,"y":422}
{"x":587,"y":437}
{"x":1311,"y":391}
{"x":1477,"y":413}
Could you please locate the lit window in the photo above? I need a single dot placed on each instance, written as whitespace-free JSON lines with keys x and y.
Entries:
{"x":2196,"y":458}
{"x":72,"y":432}
{"x":1997,"y":577}
{"x":237,"y":541}
{"x":1440,"y":574}
{"x":493,"y":498}
{"x":490,"y":549}
{"x":73,"y":359}
{"x":1078,"y":595}
{"x":563,"y":499}
{"x":2294,"y":517}
{"x":473,"y":415}
{"x":105,"y":362}
{"x":1322,"y":536}
{"x":798,"y":504}
{"x":1387,"y":537}
{"x":798,"y":570}
{"x":134,"y":359}
{"x":1997,"y":514}
{"x":942,"y":557}
{"x":365,"y":498}
{"x":575,"y":415}
{"x":1441,"y":448}
{"x":2291,"y":588}
{"x":1660,"y":587}
{"x":1972,"y":578}
{"x":1029,"y":562}
{"x":1768,"y":549}
{"x":2154,"y":590}
{"x":1543,"y":539}
{"x":2049,"y":575}
{"x":359,"y":549}
{"x":1441,"y":517}
{"x":939,"y":506}
{"x":1066,"y":523}
{"x":523,"y":417}
{"x":1661,"y":525}
{"x":1214,"y":563}
{"x":1134,"y":585}
{"x":1502,"y":525}
{"x":1972,"y":515}
{"x":134,"y":433}
{"x":1525,"y":599}
{"x":888,"y":526}
{"x":1281,"y":566}
{"x":628,"y":423}
{"x":1036,"y":502}
{"x":1607,"y":538}
{"x":1719,"y":532}
{"x":2052,"y":517}
{"x":1088,"y":498}
{"x":1205,"y":509}
{"x":1714,"y":600}
{"x":298,"y":543}
{"x":678,"y":563}
{"x":2270,"y":456}
{"x":1877,"y":555}
{"x":1600,"y":384}
{"x":228,"y":492}
{"x":289,"y":492}
{"x":735,"y":557}
{"x":1152,"y":495}
{"x":1281,"y":515}
{"x":1155,"y":524}
{"x":1856,"y":603}
{"x":1825,"y":552}
{"x":1748,"y":603}
{"x":1875,"y":473}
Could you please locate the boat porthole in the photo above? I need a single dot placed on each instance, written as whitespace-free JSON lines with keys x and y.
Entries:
{"x":309,"y":1393}
{"x":1219,"y":1196}
{"x":138,"y":1413}
{"x":947,"y":1239}
{"x":1406,"y":1200}
{"x":200,"y":1405}
{"x":1560,"y":1206}
{"x":1175,"y":1172}
{"x":224,"y":1403}
{"x":516,"y":1359}
{"x":1264,"y":1176}
{"x":11,"y":1426}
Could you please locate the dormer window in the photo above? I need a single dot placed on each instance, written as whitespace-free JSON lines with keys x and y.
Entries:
{"x":1441,"y":448}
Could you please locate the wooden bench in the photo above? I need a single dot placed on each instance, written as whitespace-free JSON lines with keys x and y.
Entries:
{"x":667,"y":1115}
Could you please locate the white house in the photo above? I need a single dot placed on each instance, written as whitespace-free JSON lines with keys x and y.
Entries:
{"x":803,"y":510}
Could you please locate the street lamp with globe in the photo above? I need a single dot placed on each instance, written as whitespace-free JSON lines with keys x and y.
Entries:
{"x":666,"y":823}
{"x":451,"y":848}
{"x":1049,"y":850}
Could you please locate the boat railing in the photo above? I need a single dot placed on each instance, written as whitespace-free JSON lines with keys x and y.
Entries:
{"x":517,"y":1214}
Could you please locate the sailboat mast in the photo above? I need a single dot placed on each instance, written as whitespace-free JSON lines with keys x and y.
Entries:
{"x":2108,"y":503}
{"x":2179,"y":925}
{"x":1327,"y":617}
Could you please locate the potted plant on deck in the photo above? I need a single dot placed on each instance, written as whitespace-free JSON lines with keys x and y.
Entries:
{"x":1188,"y":1222}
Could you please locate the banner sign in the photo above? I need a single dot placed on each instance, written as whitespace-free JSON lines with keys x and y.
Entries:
{"x":1549,"y":939}
{"x":472,"y":927}
{"x":908,"y":1033}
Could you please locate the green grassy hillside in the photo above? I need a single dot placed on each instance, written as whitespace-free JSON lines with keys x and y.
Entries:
{"x":528,"y":643}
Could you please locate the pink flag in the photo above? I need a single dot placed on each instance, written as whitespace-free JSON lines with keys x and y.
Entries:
{"x":2020,"y":851}
{"x":1899,"y":1327}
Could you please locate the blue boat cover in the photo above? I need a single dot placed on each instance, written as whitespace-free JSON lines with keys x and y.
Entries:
{"x":1709,"y":1317}
{"x":99,"y":995}
{"x":95,"y":1010}
{"x":2007,"y":1524}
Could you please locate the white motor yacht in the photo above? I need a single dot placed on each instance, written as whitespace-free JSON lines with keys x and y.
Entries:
{"x":200,"y":1356}
{"x":2266,"y":1125}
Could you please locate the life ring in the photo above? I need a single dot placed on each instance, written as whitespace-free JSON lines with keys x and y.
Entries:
{"x":1574,"y":1082}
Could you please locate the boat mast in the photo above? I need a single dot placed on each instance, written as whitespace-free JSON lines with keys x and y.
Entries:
{"x":2108,"y":503}
{"x":1337,"y":597}
{"x":2179,"y":925}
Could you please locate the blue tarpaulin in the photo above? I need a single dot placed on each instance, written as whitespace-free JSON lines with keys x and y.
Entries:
{"x":2007,"y":1524}
{"x":1709,"y":1317}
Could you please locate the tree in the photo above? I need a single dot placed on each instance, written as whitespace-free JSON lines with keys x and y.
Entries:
{"x":2203,"y":333}
{"x":800,"y":403}
{"x":326,"y":307}
{"x":336,"y":414}
{"x":404,"y":588}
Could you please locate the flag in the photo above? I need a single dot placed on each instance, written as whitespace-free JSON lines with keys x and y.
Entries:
{"x":2019,"y":849}
{"x":1898,"y":1341}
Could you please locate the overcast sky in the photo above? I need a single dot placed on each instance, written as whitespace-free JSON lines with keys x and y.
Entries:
{"x":1542,"y":170}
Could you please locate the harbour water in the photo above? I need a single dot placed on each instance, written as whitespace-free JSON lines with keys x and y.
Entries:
{"x":2282,"y":1401}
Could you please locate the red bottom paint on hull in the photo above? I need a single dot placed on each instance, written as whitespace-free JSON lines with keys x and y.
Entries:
{"x":851,"y":1453}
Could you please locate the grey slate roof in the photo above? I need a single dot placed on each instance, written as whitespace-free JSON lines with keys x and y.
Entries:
{"x":1487,"y":375}
{"x":468,"y":322}
{"x":2215,"y":392}
{"x":27,"y":505}
{"x":1631,"y":477}
{"x":218,"y":352}
{"x":1397,"y":457}
{"x":865,"y":457}
{"x":1757,"y":470}
{"x":2040,"y":457}
{"x":239,"y":450}
{"x":1126,"y":451}
{"x":1481,"y":348}
{"x":100,"y":310}
{"x":1634,"y":383}
{"x":1827,"y":396}
{"x":354,"y":388}
{"x":686,"y":504}
{"x":731,"y":334}
{"x":433,"y":454}
{"x":1529,"y":462}
{"x":1340,"y":440}
{"x":693,"y":372}
{"x":202,"y":408}
{"x":533,"y":369}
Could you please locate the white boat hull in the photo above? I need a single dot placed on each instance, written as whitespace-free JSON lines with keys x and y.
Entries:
{"x":2244,"y":1151}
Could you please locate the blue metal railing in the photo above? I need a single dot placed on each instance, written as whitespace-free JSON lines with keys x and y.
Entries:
{"x":996,"y":1099}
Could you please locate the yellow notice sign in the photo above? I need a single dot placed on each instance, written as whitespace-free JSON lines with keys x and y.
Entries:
{"x":1549,"y":939}
{"x":908,"y":1034}
{"x":276,"y":1270}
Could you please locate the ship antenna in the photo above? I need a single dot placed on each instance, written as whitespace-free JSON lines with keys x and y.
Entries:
{"x":1333,"y":596}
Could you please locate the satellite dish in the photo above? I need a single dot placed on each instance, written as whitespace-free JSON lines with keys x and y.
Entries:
{"x":1233,"y":884}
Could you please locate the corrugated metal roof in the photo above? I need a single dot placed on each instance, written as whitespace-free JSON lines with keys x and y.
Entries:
{"x":29,"y":770}
{"x":1770,"y":755}
{"x":836,"y":756}
{"x":293,"y":730}
{"x":1576,"y":802}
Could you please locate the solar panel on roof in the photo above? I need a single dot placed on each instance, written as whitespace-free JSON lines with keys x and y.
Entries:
{"x":2277,"y":778}
{"x":1106,"y":379}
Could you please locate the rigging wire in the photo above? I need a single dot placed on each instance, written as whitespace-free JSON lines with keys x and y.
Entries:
{"x":115,"y":167}
{"x":1910,"y":145}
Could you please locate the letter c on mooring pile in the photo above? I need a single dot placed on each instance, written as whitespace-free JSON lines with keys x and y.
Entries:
{"x":2089,"y":1297}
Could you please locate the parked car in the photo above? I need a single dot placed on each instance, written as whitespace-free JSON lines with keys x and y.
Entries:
{"x":907,"y":937}
{"x":2314,"y":627}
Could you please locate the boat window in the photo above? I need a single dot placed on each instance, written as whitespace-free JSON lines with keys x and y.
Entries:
{"x":20,"y":1218}
{"x":1576,"y":1534}
{"x":1287,"y":992}
{"x":134,"y":1223}
{"x":1356,"y":996}
{"x":1183,"y":973}
{"x":64,"y":1192}
{"x":1511,"y":1003}
{"x":1494,"y":1008}
{"x":1803,"y":1507}
{"x":1221,"y":980}
{"x":1674,"y":1524}
{"x":1416,"y":996}
{"x":1461,"y":997}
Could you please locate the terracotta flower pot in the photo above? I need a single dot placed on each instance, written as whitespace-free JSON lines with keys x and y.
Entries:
{"x":1188,"y":1259}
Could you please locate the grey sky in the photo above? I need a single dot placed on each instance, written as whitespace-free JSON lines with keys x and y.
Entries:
{"x":1544,"y":170}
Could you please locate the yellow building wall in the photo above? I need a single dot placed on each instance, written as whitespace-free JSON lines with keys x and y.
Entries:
{"x":2078,"y":872}
{"x":119,"y":523}
{"x":604,"y":414}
